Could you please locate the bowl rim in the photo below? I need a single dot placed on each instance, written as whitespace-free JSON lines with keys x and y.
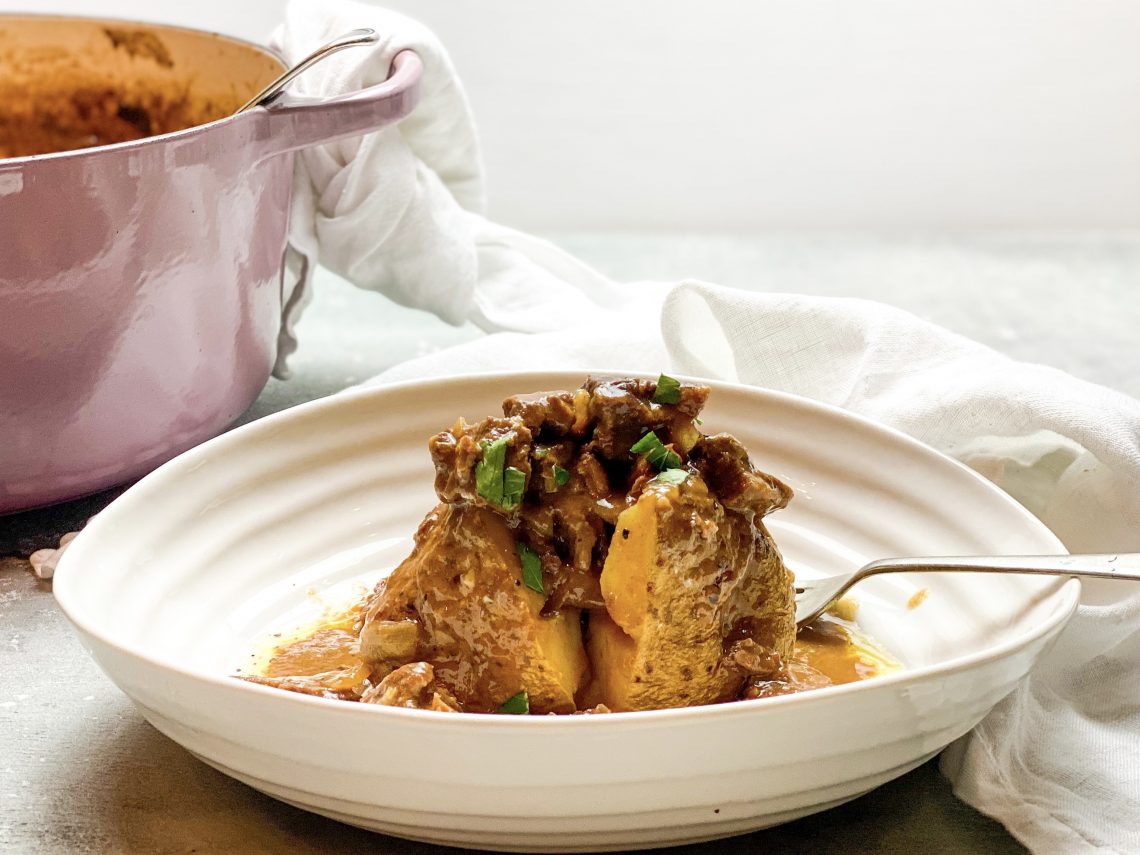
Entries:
{"x":1065,"y":591}
{"x":91,"y":151}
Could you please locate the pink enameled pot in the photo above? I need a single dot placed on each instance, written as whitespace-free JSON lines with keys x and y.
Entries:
{"x":141,"y":281}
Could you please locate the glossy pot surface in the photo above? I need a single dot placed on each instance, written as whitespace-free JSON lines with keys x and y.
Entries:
{"x":141,"y":281}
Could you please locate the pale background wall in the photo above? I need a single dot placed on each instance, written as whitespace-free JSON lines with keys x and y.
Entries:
{"x":739,"y":116}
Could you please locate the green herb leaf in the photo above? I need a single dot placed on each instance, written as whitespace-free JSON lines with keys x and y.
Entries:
{"x":496,"y":482}
{"x":646,"y":443}
{"x":668,"y":390}
{"x":514,"y":482}
{"x":698,"y":421}
{"x":659,"y":457}
{"x":489,"y":470}
{"x":561,"y":476}
{"x":516,"y":704}
{"x":672,"y":476}
{"x":531,"y":567}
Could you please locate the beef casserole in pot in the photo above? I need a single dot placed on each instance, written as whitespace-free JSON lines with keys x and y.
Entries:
{"x":143,"y":229}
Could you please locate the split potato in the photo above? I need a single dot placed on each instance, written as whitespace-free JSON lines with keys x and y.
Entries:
{"x":684,"y":579}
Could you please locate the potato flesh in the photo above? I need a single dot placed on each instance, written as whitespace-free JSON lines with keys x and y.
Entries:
{"x":612,"y":653}
{"x":625,"y":575}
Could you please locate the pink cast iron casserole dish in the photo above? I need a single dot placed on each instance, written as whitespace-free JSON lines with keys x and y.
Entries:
{"x":141,"y":281}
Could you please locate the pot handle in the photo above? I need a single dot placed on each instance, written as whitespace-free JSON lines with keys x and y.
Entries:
{"x":298,"y":121}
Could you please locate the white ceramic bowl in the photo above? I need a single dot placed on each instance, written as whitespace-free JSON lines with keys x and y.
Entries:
{"x":171,"y":587}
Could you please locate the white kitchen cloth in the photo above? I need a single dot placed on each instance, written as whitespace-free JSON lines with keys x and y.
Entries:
{"x":398,"y":211}
{"x":1058,"y":762}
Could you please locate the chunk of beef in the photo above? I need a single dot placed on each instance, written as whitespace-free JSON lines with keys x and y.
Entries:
{"x":554,"y":414}
{"x":793,"y":677}
{"x":456,"y":453}
{"x":412,"y":686}
{"x":692,"y":398}
{"x":752,"y":660}
{"x":546,"y":459}
{"x":576,"y":589}
{"x":622,"y":412}
{"x":723,"y":463}
{"x":302,"y":686}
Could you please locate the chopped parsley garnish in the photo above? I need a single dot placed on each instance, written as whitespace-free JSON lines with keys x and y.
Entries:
{"x":516,"y":704}
{"x":531,"y":567}
{"x":514,"y":482}
{"x":668,"y":390}
{"x":659,"y":457}
{"x":496,"y":482}
{"x":672,"y":476}
{"x":561,"y":476}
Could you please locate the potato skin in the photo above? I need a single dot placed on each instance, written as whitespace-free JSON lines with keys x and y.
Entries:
{"x":689,"y":578}
{"x":482,"y":631}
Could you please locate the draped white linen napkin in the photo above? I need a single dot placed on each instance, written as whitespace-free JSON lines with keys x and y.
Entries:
{"x":1057,"y":762}
{"x":398,"y":211}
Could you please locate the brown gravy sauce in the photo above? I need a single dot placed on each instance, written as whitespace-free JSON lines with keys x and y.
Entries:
{"x":828,"y":652}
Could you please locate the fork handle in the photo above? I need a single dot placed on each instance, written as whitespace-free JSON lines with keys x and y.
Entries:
{"x":1115,"y":565}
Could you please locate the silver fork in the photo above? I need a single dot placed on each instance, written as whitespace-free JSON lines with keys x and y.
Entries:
{"x":813,"y":596}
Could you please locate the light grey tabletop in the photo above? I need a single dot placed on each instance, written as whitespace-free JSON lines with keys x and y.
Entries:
{"x":80,"y":771}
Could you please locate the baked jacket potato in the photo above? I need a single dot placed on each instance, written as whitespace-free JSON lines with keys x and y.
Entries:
{"x":591,"y":550}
